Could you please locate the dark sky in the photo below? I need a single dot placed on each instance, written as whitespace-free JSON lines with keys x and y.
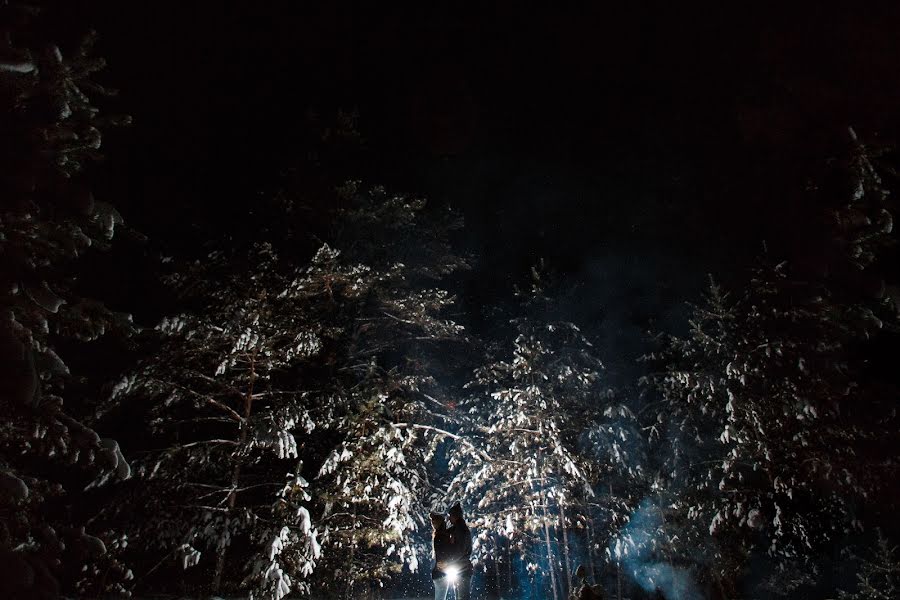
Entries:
{"x":637,"y":145}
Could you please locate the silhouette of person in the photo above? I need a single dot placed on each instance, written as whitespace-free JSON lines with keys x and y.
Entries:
{"x":442,"y":556}
{"x":461,"y":552}
{"x":586,"y":591}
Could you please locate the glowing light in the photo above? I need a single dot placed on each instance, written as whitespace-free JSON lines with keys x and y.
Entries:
{"x":452,"y":574}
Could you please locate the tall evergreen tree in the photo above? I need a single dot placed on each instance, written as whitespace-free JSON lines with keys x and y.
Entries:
{"x":530,"y":482}
{"x":878,"y":577}
{"x":616,"y":451}
{"x":395,"y":348}
{"x":50,"y":132}
{"x":764,"y":417}
{"x":321,"y":371}
{"x":226,"y":417}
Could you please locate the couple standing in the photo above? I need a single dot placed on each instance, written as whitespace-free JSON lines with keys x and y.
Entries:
{"x":452,"y":555}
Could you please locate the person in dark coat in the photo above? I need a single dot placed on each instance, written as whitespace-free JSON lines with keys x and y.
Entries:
{"x":442,"y":556}
{"x":461,"y":552}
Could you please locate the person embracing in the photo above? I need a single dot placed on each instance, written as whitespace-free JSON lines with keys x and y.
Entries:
{"x":442,"y":556}
{"x":460,"y":553}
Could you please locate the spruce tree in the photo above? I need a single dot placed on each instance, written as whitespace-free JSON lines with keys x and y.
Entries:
{"x":767,"y":422}
{"x":50,"y":132}
{"x":224,"y":483}
{"x":288,"y":404}
{"x":529,"y":484}
{"x":878,"y":577}
{"x":387,"y":416}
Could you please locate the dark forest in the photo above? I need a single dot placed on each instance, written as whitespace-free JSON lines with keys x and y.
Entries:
{"x":598,"y":300}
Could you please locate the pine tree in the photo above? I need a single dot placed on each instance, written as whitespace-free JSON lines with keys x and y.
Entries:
{"x":50,"y":132}
{"x":616,"y":452}
{"x":879,"y":574}
{"x":319,"y":371}
{"x":387,"y":416}
{"x":229,"y":422}
{"x":752,"y":412}
{"x":529,"y":483}
{"x":764,"y":413}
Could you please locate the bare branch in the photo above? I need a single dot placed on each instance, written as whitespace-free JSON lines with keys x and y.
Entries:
{"x":444,"y":432}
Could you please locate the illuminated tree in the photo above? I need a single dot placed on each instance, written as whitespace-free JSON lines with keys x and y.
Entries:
{"x":386,"y":416}
{"x":320,"y":371}
{"x":615,"y":451}
{"x":529,"y":483}
{"x":228,"y":426}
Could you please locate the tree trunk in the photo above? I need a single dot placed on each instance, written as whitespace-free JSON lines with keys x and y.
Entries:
{"x":566,"y":558}
{"x":550,"y":561}
{"x":509,"y":566}
{"x":618,"y":580}
{"x":662,"y":515}
{"x":495,"y":559}
{"x":721,"y":586}
{"x":618,"y":562}
{"x":348,"y":594}
{"x":544,"y":501}
{"x":590,"y":553}
{"x":236,"y":473}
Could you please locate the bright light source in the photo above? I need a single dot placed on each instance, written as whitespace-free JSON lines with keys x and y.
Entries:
{"x":452,"y":574}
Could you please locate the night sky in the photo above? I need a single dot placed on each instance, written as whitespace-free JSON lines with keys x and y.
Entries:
{"x":637,"y":146}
